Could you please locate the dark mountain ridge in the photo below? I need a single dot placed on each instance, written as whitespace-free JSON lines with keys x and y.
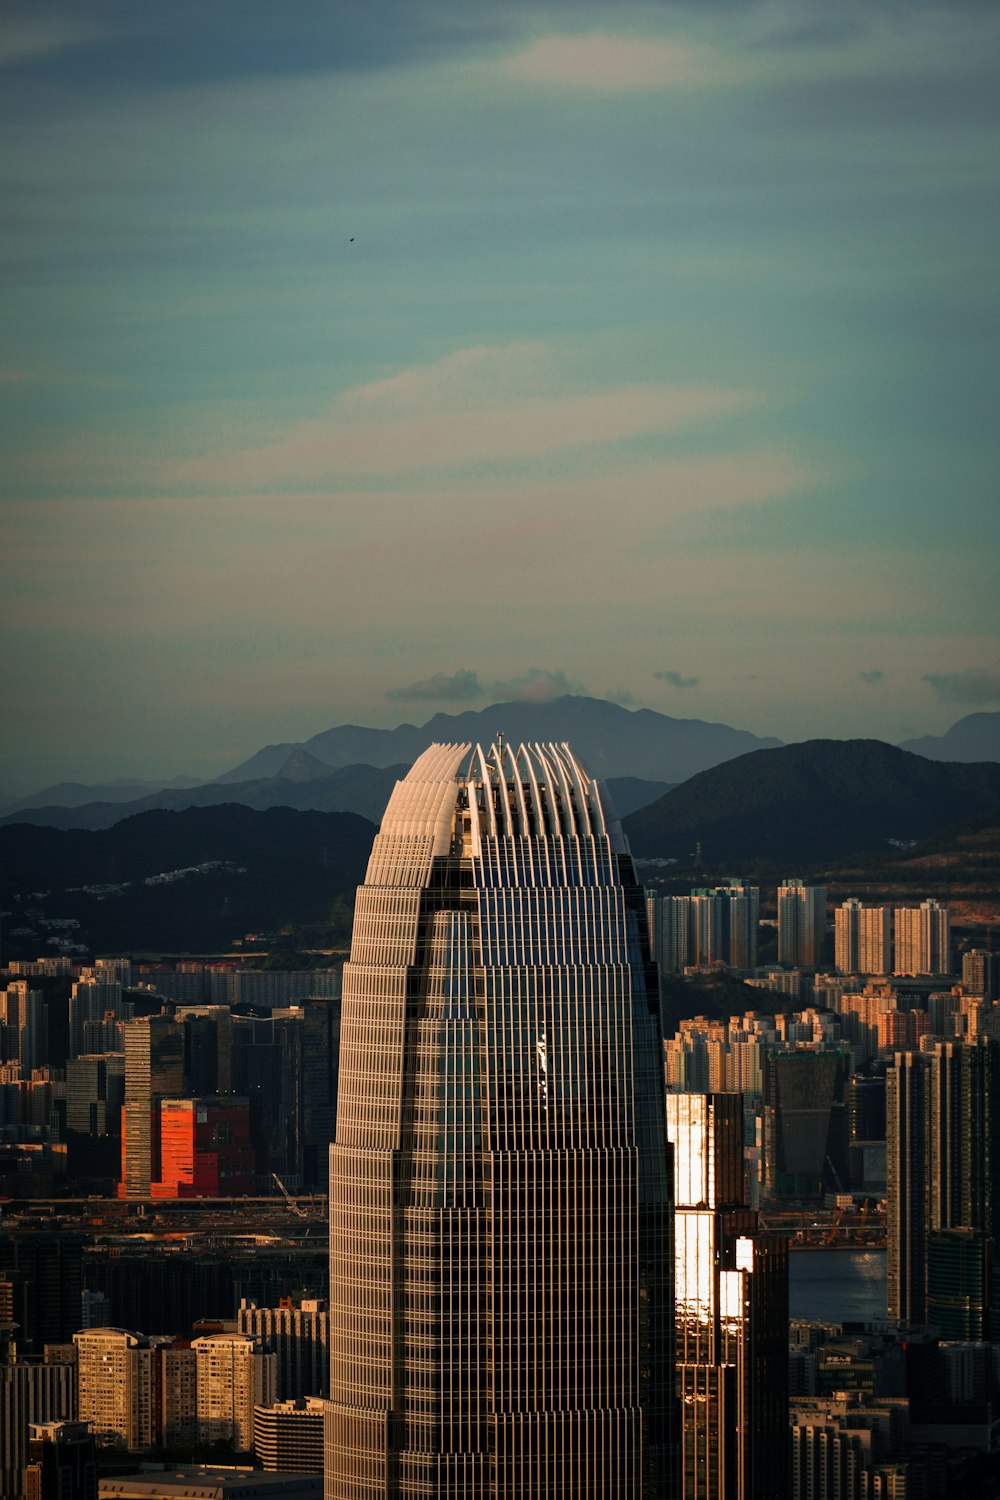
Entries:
{"x":358,"y":789}
{"x":819,"y":801}
{"x":192,"y":880}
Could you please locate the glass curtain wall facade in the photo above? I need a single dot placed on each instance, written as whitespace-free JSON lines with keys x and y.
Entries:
{"x":732,"y":1313}
{"x":501,"y":1311}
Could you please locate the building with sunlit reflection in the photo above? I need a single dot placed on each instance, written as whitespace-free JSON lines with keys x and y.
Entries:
{"x":501,"y":1314}
{"x":732,"y":1313}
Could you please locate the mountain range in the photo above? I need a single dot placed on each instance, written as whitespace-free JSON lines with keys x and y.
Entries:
{"x":348,"y":768}
{"x":820,"y":801}
{"x":639,"y":754}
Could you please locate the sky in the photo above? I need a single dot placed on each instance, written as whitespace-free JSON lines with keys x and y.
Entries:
{"x":367,"y":360}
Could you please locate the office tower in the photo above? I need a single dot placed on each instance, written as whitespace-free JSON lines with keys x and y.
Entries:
{"x":981,"y":973}
{"x":154,"y":1069}
{"x":300,"y":1338}
{"x":95,"y":1093}
{"x":501,"y":1317}
{"x":805,"y":1123}
{"x":923,"y":939}
{"x":116,"y":1375}
{"x":943,"y":1151}
{"x":205,"y":1149}
{"x":906,"y":1182}
{"x":801,"y":924}
{"x":285,"y":1064}
{"x":29,"y":1393}
{"x":234,"y":1376}
{"x":41,"y":1280}
{"x":288,"y":1436}
{"x":731,"y":1294}
{"x":863,"y":939}
{"x":62,"y":1462}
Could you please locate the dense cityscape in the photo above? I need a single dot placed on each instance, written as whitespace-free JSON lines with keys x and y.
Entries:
{"x":500,"y":755}
{"x":166,"y":1296}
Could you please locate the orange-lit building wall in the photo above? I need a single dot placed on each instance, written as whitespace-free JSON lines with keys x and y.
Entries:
{"x":205,"y":1149}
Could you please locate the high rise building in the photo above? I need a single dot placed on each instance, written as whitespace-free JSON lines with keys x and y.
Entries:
{"x":805,"y":1122}
{"x":922,"y":939}
{"x":95,"y":1093}
{"x":92,"y":1000}
{"x":501,"y":1318}
{"x":41,"y":1280}
{"x":863,"y":938}
{"x":670,"y":931}
{"x":288,"y":1436}
{"x":178,"y":1395}
{"x":25,"y":1012}
{"x":732,"y":1312}
{"x":154,"y":1069}
{"x":205,"y":1148}
{"x":981,"y":973}
{"x":711,"y":926}
{"x":234,"y":1376}
{"x":801,"y":923}
{"x":29,"y":1393}
{"x":943,"y":1153}
{"x":300,"y":1337}
{"x":116,"y":1372}
{"x":62,"y":1462}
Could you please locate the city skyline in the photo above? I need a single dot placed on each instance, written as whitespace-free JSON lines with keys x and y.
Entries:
{"x":659,"y":336}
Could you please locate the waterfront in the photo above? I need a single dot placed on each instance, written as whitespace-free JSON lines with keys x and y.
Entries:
{"x":837,"y":1286}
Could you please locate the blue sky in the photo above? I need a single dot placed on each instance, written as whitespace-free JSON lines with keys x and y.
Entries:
{"x":365,"y":360}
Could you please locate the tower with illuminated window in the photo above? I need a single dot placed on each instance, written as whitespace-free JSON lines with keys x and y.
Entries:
{"x":501,"y":1314}
{"x":732,"y":1313}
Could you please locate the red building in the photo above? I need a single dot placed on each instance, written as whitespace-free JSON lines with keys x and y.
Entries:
{"x":205,"y":1149}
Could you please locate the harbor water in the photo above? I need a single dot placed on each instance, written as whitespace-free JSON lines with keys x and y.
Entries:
{"x":837,"y":1286}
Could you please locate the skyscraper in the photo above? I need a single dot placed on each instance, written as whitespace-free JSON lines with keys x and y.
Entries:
{"x":732,"y":1312}
{"x":501,"y":1317}
{"x":154,"y":1068}
{"x":943,"y":1151}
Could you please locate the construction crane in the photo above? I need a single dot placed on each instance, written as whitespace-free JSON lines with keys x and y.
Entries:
{"x":291,"y":1204}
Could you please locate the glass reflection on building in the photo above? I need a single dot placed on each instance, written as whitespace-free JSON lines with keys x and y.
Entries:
{"x":731,"y":1310}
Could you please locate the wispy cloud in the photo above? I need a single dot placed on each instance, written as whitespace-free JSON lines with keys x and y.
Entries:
{"x":475,"y":407}
{"x":601,"y":62}
{"x":975,"y":685}
{"x":677,"y":679}
{"x":459,"y":687}
{"x":534,"y":686}
{"x":27,"y":37}
{"x":873,"y":676}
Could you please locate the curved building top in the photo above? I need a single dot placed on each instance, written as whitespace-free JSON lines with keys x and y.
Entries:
{"x":460,"y":794}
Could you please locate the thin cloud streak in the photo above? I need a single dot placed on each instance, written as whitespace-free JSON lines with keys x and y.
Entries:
{"x":601,"y":62}
{"x":975,"y":685}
